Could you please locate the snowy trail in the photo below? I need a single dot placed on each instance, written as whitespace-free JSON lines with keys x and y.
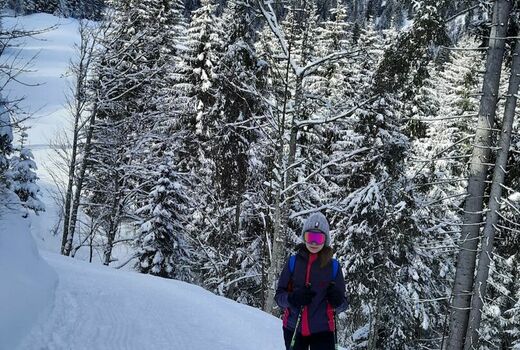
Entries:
{"x":100,"y":308}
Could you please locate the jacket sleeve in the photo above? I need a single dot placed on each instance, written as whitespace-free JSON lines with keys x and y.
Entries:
{"x":281,"y":296}
{"x":340,"y":284}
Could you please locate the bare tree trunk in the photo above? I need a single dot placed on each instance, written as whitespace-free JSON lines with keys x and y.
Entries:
{"x":283,"y":200}
{"x":237,"y":216}
{"x":276,"y":256}
{"x":478,"y":171}
{"x":486,"y":253}
{"x":79,"y":185}
{"x":68,"y":193}
{"x":114,"y":221}
{"x":80,"y":69}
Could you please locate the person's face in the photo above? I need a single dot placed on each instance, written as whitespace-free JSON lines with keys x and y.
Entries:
{"x":314,"y":241}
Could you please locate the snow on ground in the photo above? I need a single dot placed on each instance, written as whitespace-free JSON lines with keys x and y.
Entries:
{"x":27,"y":282}
{"x":101,"y":308}
{"x":95,"y":307}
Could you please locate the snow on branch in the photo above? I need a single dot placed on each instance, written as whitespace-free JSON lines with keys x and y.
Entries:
{"x":460,"y":13}
{"x":313,"y":210}
{"x":345,"y":114}
{"x":270,"y":17}
{"x":326,"y":165}
{"x":312,"y":66}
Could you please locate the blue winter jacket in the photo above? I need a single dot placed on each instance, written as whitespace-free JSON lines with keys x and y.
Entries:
{"x":319,"y":315}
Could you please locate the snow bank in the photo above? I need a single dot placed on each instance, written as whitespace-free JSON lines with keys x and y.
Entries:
{"x":27,"y":282}
{"x":100,"y":308}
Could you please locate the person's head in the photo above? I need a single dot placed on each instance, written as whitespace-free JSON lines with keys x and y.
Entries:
{"x":315,"y":232}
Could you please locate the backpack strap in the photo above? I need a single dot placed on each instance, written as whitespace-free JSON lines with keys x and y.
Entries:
{"x":292,"y":263}
{"x":335,"y":269}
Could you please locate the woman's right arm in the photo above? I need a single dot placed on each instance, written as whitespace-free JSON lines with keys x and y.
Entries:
{"x":282,"y":294}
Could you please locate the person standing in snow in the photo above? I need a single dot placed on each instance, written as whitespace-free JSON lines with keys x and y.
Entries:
{"x":311,"y":290}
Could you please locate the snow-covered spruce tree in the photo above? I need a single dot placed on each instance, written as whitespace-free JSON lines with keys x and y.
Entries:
{"x":219,"y":106}
{"x":192,"y":86}
{"x":163,"y":202}
{"x":132,"y":62}
{"x":341,"y":85}
{"x":23,"y":178}
{"x":402,"y":60}
{"x":234,"y":147}
{"x":376,"y":239}
{"x":6,"y":148}
{"x":204,"y":50}
{"x":340,"y":145}
{"x":190,"y":99}
{"x":162,"y":247}
{"x":379,"y":238}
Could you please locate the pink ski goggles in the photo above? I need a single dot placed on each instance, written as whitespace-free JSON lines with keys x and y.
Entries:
{"x":315,"y":237}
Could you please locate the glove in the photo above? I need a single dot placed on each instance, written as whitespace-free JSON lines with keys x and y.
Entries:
{"x":334,"y":296}
{"x":301,"y":297}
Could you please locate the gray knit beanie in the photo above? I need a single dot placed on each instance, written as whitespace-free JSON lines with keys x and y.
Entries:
{"x":317,"y":222}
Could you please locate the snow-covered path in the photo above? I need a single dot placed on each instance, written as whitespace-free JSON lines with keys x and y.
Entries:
{"x":102,"y":308}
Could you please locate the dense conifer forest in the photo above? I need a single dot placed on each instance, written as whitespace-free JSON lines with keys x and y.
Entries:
{"x":206,"y":132}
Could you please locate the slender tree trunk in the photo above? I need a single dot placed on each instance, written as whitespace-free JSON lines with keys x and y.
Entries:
{"x":68,"y":193}
{"x":87,"y":45}
{"x":114,"y":220}
{"x":79,"y":185}
{"x":486,"y":253}
{"x":478,"y":171}
{"x":237,"y":218}
{"x":276,"y":257}
{"x":72,"y":166}
{"x":283,"y":200}
{"x":276,"y":251}
{"x":298,"y":95}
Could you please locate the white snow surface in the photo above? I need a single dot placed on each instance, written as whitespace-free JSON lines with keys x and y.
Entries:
{"x":99,"y":307}
{"x":27,"y":283}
